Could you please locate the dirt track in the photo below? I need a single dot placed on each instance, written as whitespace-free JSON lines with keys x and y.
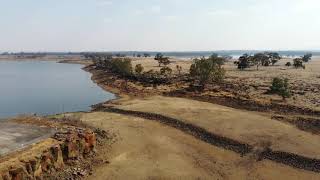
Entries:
{"x":149,"y":150}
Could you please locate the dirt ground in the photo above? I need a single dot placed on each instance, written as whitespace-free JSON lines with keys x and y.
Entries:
{"x":143,"y":156}
{"x":149,"y":150}
{"x":245,"y":126}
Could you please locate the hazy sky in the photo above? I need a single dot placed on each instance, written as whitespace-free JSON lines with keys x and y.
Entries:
{"x":163,"y":25}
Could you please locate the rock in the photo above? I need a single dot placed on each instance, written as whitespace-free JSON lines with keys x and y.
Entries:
{"x":5,"y":176}
{"x":19,"y":173}
{"x":74,"y":143}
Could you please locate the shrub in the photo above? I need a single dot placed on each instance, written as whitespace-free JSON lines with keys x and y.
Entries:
{"x":146,"y":55}
{"x":139,"y":69}
{"x":179,"y":69}
{"x":154,"y":77}
{"x":244,"y":61}
{"x":298,"y":63}
{"x":281,"y":87}
{"x":166,"y":71}
{"x":288,"y":64}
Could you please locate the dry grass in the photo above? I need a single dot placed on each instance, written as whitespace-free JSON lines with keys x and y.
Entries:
{"x":244,"y":126}
{"x":305,"y":83}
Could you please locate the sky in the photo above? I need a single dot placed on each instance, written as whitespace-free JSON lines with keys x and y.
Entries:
{"x":159,"y":25}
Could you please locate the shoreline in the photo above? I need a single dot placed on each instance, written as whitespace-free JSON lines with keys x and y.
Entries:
{"x":127,"y":92}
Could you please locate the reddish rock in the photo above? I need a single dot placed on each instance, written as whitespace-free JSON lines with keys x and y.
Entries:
{"x":74,"y":143}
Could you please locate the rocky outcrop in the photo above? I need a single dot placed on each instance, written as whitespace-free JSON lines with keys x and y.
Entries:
{"x":70,"y":144}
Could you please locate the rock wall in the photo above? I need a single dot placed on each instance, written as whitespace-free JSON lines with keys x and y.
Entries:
{"x":70,"y":144}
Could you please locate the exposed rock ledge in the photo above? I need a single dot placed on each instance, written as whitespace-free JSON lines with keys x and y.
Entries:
{"x":49,"y":156}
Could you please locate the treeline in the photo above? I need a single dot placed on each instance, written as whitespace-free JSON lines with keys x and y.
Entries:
{"x":267,"y":59}
{"x":202,"y":72}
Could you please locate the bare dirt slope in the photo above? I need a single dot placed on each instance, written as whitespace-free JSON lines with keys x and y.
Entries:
{"x":245,"y":126}
{"x":149,"y":150}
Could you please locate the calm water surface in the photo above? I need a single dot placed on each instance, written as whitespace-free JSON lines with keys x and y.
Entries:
{"x":46,"y":88}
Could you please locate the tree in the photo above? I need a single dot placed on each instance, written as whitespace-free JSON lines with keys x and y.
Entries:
{"x":274,"y":57}
{"x":139,"y":69}
{"x":281,"y":87}
{"x":260,"y":59}
{"x":161,"y":59}
{"x":206,"y":70}
{"x":244,"y":62}
{"x":307,"y":57}
{"x":298,"y":63}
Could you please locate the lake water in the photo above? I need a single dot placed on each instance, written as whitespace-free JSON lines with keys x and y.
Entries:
{"x":46,"y":88}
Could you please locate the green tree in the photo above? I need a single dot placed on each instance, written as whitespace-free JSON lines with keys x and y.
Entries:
{"x":206,"y":70}
{"x":281,"y":87}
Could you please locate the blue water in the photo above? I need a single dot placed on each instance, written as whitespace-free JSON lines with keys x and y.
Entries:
{"x":46,"y":88}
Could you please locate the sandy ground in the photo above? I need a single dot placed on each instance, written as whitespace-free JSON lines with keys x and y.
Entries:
{"x":149,"y":150}
{"x":245,"y":126}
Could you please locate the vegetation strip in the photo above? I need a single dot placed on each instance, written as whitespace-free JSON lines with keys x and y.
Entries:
{"x":286,"y":158}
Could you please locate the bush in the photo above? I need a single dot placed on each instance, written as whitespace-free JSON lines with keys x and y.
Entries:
{"x":298,"y":63}
{"x":207,"y":70}
{"x":139,"y":69}
{"x":154,"y":77}
{"x":288,"y":64}
{"x":166,"y":71}
{"x":121,"y":66}
{"x":281,"y":87}
{"x":244,"y":61}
